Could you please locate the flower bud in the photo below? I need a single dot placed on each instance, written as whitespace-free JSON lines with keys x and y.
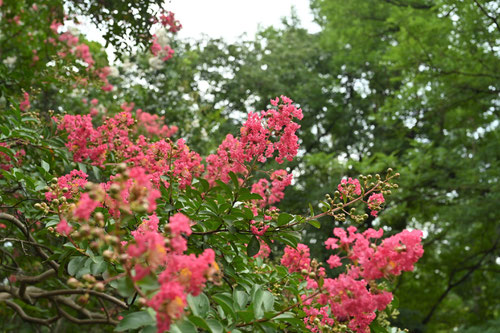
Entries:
{"x":94,"y":245}
{"x":121,"y":167}
{"x":89,"y":278}
{"x":108,"y":254}
{"x":83,"y":299}
{"x":85,"y":230}
{"x":73,"y":283}
{"x":99,"y":286}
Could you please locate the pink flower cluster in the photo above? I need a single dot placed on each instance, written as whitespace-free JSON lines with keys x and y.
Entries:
{"x":69,"y":185}
{"x":25,"y":104}
{"x":82,"y":51}
{"x":349,"y":187}
{"x":137,"y":193}
{"x":153,"y":124}
{"x":262,"y":134}
{"x":103,"y":74}
{"x":72,"y":45}
{"x":374,"y":202}
{"x":296,"y":259}
{"x":6,"y":162}
{"x":157,"y":158}
{"x":64,"y":228}
{"x":353,"y":297}
{"x":274,"y":193}
{"x":164,"y":52}
{"x":178,"y":274}
{"x":169,"y":20}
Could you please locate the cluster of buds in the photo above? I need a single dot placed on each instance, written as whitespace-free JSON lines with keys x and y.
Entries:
{"x":315,"y":271}
{"x":43,"y":207}
{"x":89,"y":282}
{"x":350,"y":191}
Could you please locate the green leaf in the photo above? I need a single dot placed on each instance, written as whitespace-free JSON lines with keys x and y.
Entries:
{"x":315,"y":223}
{"x":246,"y":195}
{"x":215,"y":326}
{"x":253,"y":246}
{"x":184,"y":326}
{"x":257,"y":300}
{"x":240,"y":298}
{"x":311,"y":209}
{"x":284,"y":218}
{"x":135,"y":320}
{"x":199,"y":322}
{"x":199,"y":305}
{"x":125,"y":287}
{"x":375,"y":327}
{"x":76,"y":264}
{"x":234,"y":178}
{"x":226,"y":303}
{"x":45,"y":166}
{"x":267,"y":301}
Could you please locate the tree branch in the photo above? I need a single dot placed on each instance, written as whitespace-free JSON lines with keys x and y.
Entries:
{"x":24,"y":230}
{"x":104,"y":296}
{"x":452,"y":285}
{"x":494,"y":19}
{"x":26,"y":317}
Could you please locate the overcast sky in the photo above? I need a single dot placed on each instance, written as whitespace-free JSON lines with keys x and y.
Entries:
{"x":224,"y":18}
{"x":231,"y":18}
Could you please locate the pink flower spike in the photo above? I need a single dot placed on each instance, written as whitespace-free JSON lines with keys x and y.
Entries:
{"x":64,"y":228}
{"x":25,"y":104}
{"x":179,"y":223}
{"x":334,"y":261}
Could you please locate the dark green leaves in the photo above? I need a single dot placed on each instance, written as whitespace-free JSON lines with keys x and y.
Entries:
{"x":284,"y":218}
{"x":253,"y":246}
{"x":199,"y":305}
{"x":135,"y":320}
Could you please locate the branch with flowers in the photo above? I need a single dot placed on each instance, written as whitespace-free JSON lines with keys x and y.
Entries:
{"x":111,"y":220}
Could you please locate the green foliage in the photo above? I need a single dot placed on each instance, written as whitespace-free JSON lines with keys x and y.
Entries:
{"x":407,"y":84}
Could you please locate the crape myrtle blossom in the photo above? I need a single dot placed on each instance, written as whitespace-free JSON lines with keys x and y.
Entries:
{"x":296,"y":259}
{"x":25,"y":103}
{"x":71,"y":45}
{"x":349,"y":187}
{"x":152,"y":250}
{"x":69,"y":185}
{"x":116,"y":135}
{"x":262,"y":135}
{"x":374,"y":203}
{"x":274,"y":193}
{"x":353,"y":297}
{"x":169,"y":21}
{"x":179,"y":274}
{"x":6,"y":161}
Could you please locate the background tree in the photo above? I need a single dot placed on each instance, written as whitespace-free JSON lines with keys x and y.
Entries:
{"x":407,"y":83}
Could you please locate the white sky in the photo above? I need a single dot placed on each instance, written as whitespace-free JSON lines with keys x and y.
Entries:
{"x":228,"y":19}
{"x":232,"y":18}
